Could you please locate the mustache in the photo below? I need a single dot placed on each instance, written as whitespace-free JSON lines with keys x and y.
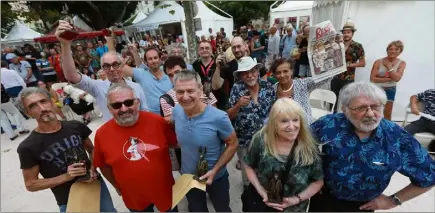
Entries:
{"x":364,"y":120}
{"x":129,"y":111}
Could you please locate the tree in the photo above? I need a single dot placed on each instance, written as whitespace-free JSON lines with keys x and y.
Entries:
{"x":7,"y":16}
{"x":243,"y":11}
{"x":190,"y":29}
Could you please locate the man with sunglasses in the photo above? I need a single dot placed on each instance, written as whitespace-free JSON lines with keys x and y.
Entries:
{"x":132,"y":152}
{"x":111,"y":62}
{"x":361,"y":151}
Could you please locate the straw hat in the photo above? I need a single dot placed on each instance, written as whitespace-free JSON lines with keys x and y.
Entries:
{"x":245,"y":64}
{"x":349,"y":25}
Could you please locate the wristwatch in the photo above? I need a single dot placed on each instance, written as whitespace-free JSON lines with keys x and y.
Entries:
{"x":395,"y":200}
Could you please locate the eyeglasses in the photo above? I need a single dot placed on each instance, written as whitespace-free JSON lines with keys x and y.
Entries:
{"x":127,"y":103}
{"x":364,"y":109}
{"x":115,"y":66}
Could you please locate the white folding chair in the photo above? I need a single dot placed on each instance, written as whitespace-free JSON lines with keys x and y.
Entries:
{"x":422,"y":136}
{"x":323,"y":96}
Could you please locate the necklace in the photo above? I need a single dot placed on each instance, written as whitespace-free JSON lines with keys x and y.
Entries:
{"x":291,"y":87}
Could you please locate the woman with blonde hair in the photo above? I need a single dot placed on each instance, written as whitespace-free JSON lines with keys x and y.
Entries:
{"x":387,"y":71}
{"x":283,"y":158}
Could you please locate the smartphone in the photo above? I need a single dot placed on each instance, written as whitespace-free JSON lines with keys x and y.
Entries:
{"x":247,"y":93}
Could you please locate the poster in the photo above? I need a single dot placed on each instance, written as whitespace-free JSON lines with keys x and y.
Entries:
{"x":182,"y":186}
{"x":326,"y":53}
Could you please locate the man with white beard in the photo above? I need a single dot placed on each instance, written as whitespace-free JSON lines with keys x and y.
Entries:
{"x":362,"y":150}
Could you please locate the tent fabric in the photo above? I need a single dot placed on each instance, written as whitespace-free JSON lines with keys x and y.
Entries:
{"x":323,"y":12}
{"x":293,"y":5}
{"x":82,"y":35}
{"x":20,"y":32}
{"x":210,"y":19}
{"x":139,"y":17}
{"x":163,"y":15}
{"x":81,"y":24}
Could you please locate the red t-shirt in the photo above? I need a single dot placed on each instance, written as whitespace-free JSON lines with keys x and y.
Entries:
{"x":139,"y":157}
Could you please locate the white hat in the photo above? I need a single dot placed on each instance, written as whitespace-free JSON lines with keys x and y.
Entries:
{"x":10,"y":56}
{"x":244,"y":64}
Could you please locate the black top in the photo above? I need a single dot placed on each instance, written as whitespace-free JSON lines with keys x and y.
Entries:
{"x":32,"y":62}
{"x":304,"y":56}
{"x":51,"y":152}
{"x":5,"y":97}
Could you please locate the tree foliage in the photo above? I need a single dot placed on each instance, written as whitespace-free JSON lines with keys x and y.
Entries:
{"x":243,"y":11}
{"x":7,"y":16}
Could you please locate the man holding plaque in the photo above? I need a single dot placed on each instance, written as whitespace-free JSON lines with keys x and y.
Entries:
{"x":56,"y":150}
{"x":207,"y":140}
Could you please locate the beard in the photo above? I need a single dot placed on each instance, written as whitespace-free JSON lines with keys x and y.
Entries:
{"x":48,"y":116}
{"x":367,"y":124}
{"x":127,"y":118}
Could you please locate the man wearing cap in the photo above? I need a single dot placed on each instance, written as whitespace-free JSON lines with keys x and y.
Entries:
{"x":23,"y":68}
{"x":355,"y":57}
{"x":251,"y":98}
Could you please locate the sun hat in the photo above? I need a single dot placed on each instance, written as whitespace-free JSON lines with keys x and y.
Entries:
{"x":244,"y":64}
{"x":349,"y":25}
{"x":10,"y":56}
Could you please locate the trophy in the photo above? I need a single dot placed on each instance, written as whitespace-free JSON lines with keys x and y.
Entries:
{"x":207,"y":87}
{"x":68,"y":34}
{"x":75,"y":155}
{"x":202,"y":166}
{"x":275,"y":192}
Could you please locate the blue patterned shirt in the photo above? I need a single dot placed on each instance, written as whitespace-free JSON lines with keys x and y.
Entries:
{"x":360,"y":170}
{"x":251,"y":118}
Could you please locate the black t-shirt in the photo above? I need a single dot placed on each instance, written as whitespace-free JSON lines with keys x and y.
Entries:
{"x":263,"y":41}
{"x":32,"y":62}
{"x":52,"y":151}
{"x":304,"y":56}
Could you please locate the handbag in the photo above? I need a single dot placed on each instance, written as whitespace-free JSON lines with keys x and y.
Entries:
{"x":251,"y":199}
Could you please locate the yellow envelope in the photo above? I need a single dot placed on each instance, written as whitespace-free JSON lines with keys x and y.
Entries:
{"x":84,"y":197}
{"x":182,"y":186}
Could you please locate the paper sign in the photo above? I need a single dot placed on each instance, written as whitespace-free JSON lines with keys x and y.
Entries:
{"x":182,"y":186}
{"x":84,"y":197}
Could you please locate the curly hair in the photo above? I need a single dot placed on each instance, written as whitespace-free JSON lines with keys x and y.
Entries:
{"x":398,"y":44}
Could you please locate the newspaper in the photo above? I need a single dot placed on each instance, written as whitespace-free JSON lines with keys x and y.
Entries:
{"x":326,"y":54}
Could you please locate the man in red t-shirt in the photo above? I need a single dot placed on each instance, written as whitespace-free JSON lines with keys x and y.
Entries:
{"x":132,"y":151}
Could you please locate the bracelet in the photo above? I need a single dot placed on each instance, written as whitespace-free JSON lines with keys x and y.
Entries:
{"x":299,"y":198}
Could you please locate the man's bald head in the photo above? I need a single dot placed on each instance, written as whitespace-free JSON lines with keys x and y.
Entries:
{"x":238,"y":47}
{"x":273,"y":30}
{"x":7,"y":50}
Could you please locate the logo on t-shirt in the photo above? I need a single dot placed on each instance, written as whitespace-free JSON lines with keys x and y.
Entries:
{"x":134,"y":149}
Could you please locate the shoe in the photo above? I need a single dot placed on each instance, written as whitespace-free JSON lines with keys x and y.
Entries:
{"x":13,"y":138}
{"x":24,"y":132}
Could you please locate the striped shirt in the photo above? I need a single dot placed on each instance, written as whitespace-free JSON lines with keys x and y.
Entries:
{"x":428,"y":97}
{"x":167,"y":108}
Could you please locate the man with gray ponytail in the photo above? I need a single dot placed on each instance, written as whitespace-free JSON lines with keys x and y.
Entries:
{"x":362,"y":150}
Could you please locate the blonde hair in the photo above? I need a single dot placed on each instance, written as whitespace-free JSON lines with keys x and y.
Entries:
{"x":306,"y":151}
{"x":398,"y":44}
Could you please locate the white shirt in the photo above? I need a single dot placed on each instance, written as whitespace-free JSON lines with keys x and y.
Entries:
{"x":143,"y":43}
{"x":10,"y":78}
{"x":98,"y":89}
{"x":273,"y":44}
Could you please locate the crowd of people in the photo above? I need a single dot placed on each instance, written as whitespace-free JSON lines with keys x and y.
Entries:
{"x":248,"y":96}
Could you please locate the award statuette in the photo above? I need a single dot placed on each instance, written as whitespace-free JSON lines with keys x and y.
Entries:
{"x":68,"y":34}
{"x":202,"y":166}
{"x":77,"y":155}
{"x":274,"y":193}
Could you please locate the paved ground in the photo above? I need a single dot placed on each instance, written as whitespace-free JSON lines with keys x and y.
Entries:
{"x":15,"y":198}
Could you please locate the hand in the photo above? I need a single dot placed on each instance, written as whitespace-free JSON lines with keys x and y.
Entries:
{"x":209,"y":176}
{"x":94,"y":175}
{"x":76,"y":170}
{"x":381,"y":202}
{"x":415,"y":111}
{"x":132,"y":47}
{"x":244,"y":101}
{"x":261,"y":48}
{"x":340,"y":39}
{"x":63,"y":26}
{"x":82,"y":95}
{"x":221,"y":59}
{"x":263,"y":193}
{"x":286,"y":202}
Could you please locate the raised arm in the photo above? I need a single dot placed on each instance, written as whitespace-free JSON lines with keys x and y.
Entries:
{"x":128,"y":71}
{"x":68,"y":66}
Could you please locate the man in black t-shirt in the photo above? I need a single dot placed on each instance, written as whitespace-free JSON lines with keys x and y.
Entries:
{"x":304,"y":65}
{"x":57,"y":151}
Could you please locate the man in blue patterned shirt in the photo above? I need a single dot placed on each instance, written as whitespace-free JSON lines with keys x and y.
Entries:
{"x":250,"y":103}
{"x":423,"y":124}
{"x":361,"y":151}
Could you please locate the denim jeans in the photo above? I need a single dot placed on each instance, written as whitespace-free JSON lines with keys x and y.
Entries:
{"x":150,"y":208}
{"x":106,"y":203}
{"x":219,"y":192}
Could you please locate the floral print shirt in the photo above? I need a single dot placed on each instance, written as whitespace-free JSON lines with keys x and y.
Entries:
{"x":360,"y":170}
{"x":354,"y":52}
{"x":251,"y":118}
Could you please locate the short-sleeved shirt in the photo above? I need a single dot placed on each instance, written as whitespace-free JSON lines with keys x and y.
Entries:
{"x":209,"y":130}
{"x":43,"y":63}
{"x":167,"y":108}
{"x":55,"y":62}
{"x":428,"y":97}
{"x":52,"y":151}
{"x":98,"y":89}
{"x":251,"y":118}
{"x":102,"y":50}
{"x":139,"y":158}
{"x":21,"y":69}
{"x":152,"y":87}
{"x":360,"y":170}
{"x":266,"y":165}
{"x":354,"y":52}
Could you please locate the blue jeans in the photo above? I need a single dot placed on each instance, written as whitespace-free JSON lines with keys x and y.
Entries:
{"x":391,"y":93}
{"x":219,"y":192}
{"x":106,"y":203}
{"x":150,"y":208}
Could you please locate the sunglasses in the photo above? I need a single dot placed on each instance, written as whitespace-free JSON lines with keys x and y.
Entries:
{"x":127,"y":103}
{"x":115,"y":65}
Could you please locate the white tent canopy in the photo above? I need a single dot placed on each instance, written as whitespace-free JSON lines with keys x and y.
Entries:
{"x":139,"y":17}
{"x":210,"y":19}
{"x":161,"y":14}
{"x":20,"y":33}
{"x":390,"y":24}
{"x":291,"y":9}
